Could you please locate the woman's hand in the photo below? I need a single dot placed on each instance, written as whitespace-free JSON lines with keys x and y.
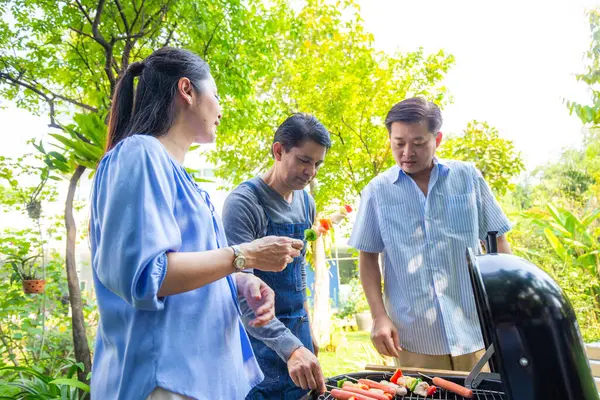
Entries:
{"x":271,"y":253}
{"x":259,"y":296}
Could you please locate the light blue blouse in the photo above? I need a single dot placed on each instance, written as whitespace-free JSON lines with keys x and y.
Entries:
{"x":144,"y":205}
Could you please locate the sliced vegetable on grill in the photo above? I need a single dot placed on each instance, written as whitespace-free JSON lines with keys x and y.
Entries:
{"x":411,"y":383}
{"x":397,"y":374}
{"x":400,"y":390}
{"x":432,"y":390}
{"x":341,"y":382}
{"x":424,"y":389}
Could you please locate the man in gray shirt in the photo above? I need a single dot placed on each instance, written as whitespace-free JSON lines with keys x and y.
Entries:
{"x":276,"y":203}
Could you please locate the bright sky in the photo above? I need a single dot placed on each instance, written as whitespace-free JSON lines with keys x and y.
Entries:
{"x":515,"y":63}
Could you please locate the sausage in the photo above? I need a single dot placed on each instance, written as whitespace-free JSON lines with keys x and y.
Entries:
{"x":377,"y":385}
{"x":453,"y":387}
{"x":376,"y":396}
{"x":345,"y":395}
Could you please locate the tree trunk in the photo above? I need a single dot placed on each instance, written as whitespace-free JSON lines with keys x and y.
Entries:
{"x":82,"y":350}
{"x":321,"y":312}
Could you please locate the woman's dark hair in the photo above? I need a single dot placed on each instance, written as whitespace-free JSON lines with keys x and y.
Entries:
{"x":415,"y":110}
{"x":299,"y":127}
{"x":151,"y":110}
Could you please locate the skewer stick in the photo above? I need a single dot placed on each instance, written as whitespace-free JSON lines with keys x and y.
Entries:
{"x":426,"y":376}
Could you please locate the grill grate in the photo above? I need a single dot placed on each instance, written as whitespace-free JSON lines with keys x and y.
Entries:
{"x":442,"y":395}
{"x":484,"y":393}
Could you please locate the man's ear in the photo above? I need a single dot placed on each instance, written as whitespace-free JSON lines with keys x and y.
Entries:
{"x":438,"y":139}
{"x":277,"y":150}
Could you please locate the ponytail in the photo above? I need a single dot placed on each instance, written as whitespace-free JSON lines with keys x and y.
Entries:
{"x":121,"y":109}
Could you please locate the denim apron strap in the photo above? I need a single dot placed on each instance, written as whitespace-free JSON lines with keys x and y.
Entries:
{"x":306,"y":208}
{"x":260,"y":200}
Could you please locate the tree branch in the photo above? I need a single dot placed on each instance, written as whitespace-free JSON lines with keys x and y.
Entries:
{"x":360,"y":137}
{"x":170,"y":35}
{"x":17,"y":82}
{"x":205,"y":52}
{"x":99,"y":38}
{"x":81,"y":56}
{"x":131,"y":38}
{"x":85,"y":14}
{"x":118,"y":4}
{"x":138,"y":12}
{"x":352,"y":175}
{"x":75,"y":102}
{"x":44,"y":93}
{"x":82,"y":33}
{"x":377,"y":166}
{"x":126,"y":54}
{"x":52,"y":112}
{"x":11,"y":355}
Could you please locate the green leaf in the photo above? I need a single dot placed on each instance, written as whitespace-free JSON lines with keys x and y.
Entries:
{"x":27,"y":371}
{"x":557,"y":245}
{"x":575,"y":243}
{"x":590,"y":218}
{"x":58,"y":156}
{"x":560,"y":228}
{"x":71,"y":383}
{"x":555,"y":214}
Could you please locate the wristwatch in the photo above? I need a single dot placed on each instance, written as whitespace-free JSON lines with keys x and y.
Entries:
{"x":239,"y":261}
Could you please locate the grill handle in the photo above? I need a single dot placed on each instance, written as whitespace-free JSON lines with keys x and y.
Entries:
{"x":492,"y":242}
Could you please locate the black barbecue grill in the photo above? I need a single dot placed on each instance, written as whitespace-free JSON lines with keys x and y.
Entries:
{"x":489,"y":390}
{"x":534,"y":346}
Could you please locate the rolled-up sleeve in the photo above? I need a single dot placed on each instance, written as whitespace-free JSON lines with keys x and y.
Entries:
{"x":366,"y":234}
{"x":241,"y":217}
{"x":275,"y":334}
{"x":133,"y":223}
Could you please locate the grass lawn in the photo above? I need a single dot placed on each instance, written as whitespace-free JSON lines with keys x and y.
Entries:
{"x":353,"y":352}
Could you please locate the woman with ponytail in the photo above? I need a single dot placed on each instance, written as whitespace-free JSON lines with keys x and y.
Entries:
{"x":166,"y":282}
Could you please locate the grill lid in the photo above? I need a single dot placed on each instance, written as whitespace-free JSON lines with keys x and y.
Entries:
{"x":538,"y":349}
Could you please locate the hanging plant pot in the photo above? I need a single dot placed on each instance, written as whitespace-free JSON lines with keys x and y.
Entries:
{"x":34,"y":209}
{"x":36,"y":286}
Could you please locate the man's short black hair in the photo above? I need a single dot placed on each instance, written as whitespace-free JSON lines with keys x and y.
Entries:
{"x":299,"y":127}
{"x":415,"y":110}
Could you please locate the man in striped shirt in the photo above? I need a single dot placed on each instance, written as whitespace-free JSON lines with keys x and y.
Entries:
{"x":422,"y":214}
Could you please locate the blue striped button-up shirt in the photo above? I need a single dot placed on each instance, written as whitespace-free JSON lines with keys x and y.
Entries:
{"x":427,"y":289}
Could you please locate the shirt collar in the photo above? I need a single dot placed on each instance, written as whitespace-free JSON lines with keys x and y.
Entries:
{"x":442,"y":165}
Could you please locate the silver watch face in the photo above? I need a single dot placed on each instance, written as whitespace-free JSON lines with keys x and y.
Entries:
{"x":240,"y":262}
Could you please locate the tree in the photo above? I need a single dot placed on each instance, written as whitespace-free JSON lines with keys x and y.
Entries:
{"x":590,"y":114}
{"x":64,"y":59}
{"x":331,"y":69}
{"x":496,"y":158}
{"x":334,"y":72}
{"x":558,"y":226}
